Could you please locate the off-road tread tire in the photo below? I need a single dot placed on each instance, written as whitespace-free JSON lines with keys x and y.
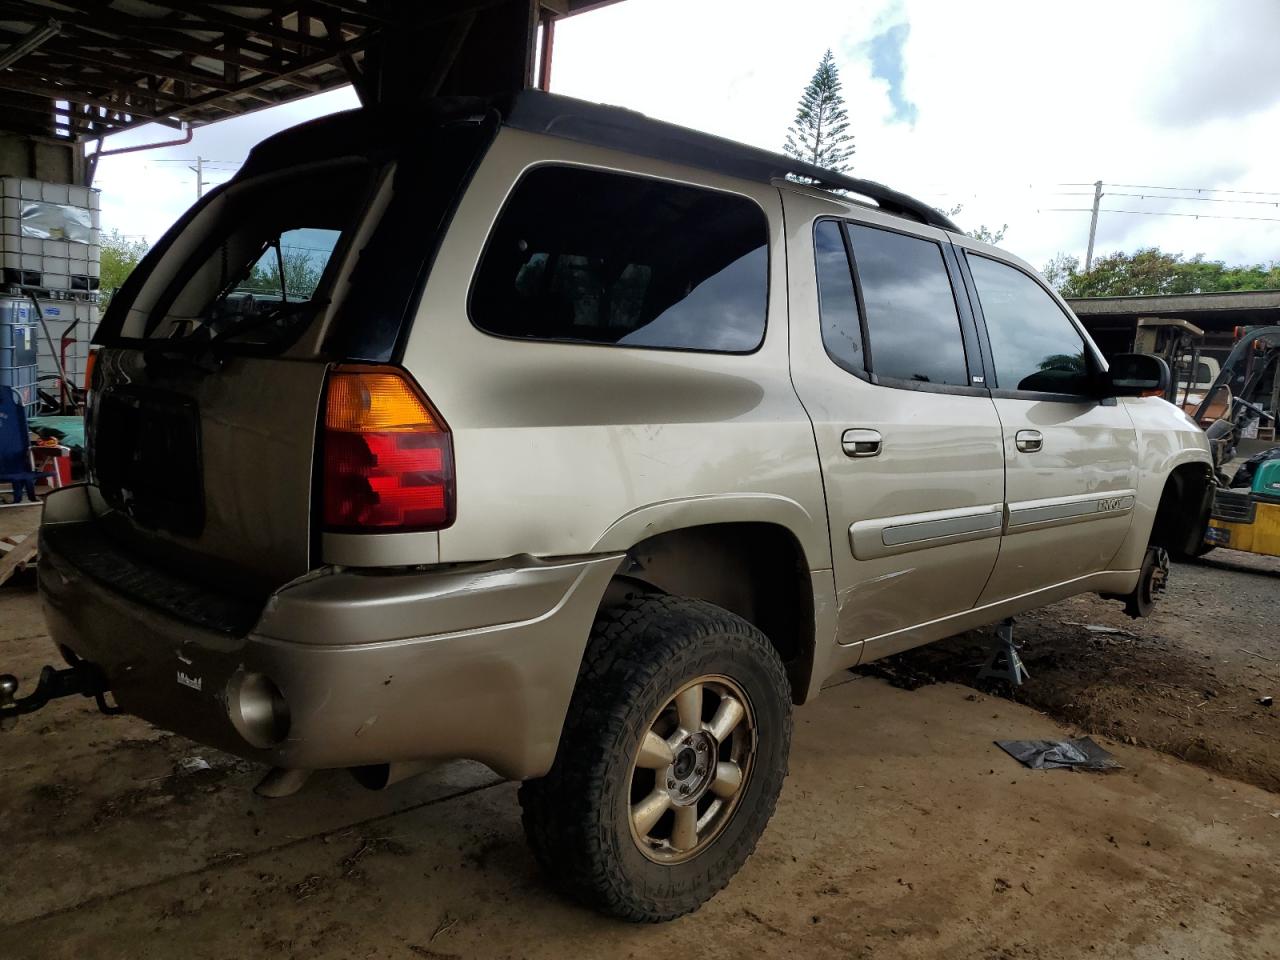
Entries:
{"x":640,"y":651}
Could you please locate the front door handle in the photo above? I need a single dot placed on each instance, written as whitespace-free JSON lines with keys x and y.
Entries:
{"x":1028,"y":441}
{"x":861,"y":443}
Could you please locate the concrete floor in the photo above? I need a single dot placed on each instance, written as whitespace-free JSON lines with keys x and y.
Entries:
{"x":902,"y":832}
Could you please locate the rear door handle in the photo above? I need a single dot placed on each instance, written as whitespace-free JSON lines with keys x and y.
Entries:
{"x":1028,"y":441}
{"x":861,"y":443}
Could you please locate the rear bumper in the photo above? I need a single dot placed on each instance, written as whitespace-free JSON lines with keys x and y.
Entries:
{"x":476,"y":662}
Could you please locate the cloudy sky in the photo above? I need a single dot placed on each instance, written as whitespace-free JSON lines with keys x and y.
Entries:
{"x":1004,"y":107}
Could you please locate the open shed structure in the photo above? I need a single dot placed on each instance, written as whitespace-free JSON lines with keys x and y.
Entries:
{"x":1114,"y":321}
{"x":77,"y":70}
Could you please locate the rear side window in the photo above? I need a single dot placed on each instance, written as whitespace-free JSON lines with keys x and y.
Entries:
{"x":837,"y":305}
{"x":587,"y":256}
{"x":913,"y":327}
{"x":1033,"y":344}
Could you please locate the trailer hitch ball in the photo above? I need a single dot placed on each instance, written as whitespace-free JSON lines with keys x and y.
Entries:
{"x":82,"y":678}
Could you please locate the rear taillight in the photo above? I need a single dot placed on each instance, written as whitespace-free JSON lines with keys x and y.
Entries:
{"x":387,"y":456}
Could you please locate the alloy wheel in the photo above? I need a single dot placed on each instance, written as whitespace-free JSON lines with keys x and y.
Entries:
{"x":690,"y":769}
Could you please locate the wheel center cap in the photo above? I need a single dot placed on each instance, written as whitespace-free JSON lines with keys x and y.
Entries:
{"x":692,"y":770}
{"x":685,"y":763}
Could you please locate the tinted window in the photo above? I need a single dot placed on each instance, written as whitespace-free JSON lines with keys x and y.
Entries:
{"x":1034,"y":345}
{"x":913,"y":328}
{"x":841,"y":331}
{"x":594,"y":257}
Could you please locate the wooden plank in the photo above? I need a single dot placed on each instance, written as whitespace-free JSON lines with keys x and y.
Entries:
{"x":19,"y":519}
{"x":18,"y":540}
{"x":17,"y":558}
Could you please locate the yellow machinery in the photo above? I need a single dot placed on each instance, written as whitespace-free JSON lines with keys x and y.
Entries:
{"x":1249,"y":519}
{"x":1246,"y":509}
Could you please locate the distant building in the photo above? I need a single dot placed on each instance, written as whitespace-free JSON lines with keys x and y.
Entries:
{"x":1113,"y":321}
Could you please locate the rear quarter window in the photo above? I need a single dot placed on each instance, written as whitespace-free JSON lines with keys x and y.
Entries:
{"x":588,"y":256}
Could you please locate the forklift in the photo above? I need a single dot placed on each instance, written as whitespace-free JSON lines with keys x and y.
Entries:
{"x":1241,"y":406}
{"x":1177,"y":342}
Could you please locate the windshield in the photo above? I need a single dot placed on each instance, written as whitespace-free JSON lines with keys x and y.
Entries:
{"x":263,"y":271}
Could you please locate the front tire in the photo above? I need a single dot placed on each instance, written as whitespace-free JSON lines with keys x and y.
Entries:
{"x":670,"y":763}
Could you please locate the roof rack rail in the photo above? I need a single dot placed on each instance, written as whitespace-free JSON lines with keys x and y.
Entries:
{"x":888,"y":199}
{"x":621,"y":129}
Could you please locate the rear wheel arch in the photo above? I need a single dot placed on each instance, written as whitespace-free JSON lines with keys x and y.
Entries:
{"x":755,"y":570}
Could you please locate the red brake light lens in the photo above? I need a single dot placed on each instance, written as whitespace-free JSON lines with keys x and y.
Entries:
{"x":387,"y":455}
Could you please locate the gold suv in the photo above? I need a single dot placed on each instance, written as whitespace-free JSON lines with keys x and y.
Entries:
{"x":543,"y":434}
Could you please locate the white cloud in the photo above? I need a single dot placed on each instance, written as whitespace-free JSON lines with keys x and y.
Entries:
{"x":1012,"y":99}
{"x":143,"y":193}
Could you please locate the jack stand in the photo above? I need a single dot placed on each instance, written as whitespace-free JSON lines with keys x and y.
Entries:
{"x":1004,"y":662}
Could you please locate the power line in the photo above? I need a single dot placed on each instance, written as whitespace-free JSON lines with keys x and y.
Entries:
{"x":1159,"y":213}
{"x":1156,"y":196}
{"x":1148,"y":186}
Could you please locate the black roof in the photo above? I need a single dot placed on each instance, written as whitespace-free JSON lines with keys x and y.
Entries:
{"x":627,"y":130}
{"x":579,"y":120}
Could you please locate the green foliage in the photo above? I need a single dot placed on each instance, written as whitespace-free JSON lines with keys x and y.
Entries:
{"x":1152,"y":271}
{"x":119,"y":256}
{"x":301,"y":275}
{"x":987,"y":235}
{"x":820,"y":132}
{"x":982,"y":231}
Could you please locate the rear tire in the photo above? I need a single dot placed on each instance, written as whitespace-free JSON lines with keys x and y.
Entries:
{"x":670,"y":763}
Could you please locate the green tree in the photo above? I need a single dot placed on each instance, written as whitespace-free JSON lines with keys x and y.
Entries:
{"x":987,"y":235}
{"x":120,"y":255}
{"x":300,"y":274}
{"x":1152,"y":271}
{"x":982,"y":231}
{"x":820,"y":132}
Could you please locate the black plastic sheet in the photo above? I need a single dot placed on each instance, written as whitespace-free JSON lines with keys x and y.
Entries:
{"x":1082,"y":754}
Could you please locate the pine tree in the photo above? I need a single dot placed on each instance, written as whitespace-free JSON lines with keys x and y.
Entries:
{"x":820,"y":132}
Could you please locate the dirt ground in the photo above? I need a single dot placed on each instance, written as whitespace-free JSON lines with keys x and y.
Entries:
{"x":902,"y":830}
{"x":1187,"y":680}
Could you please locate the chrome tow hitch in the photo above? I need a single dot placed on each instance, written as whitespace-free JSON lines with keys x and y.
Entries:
{"x":84,"y":679}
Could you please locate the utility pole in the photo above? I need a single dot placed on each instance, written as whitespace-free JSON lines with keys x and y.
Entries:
{"x":199,"y":172}
{"x":1093,"y":225}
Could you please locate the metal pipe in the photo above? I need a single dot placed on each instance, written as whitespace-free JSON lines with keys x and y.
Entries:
{"x":33,"y":40}
{"x":92,"y":159}
{"x":63,"y":385}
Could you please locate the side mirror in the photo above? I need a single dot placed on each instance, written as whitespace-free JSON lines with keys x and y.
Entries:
{"x":1137,"y":375}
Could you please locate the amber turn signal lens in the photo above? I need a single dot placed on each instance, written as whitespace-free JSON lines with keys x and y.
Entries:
{"x":387,"y":456}
{"x":361,"y":401}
